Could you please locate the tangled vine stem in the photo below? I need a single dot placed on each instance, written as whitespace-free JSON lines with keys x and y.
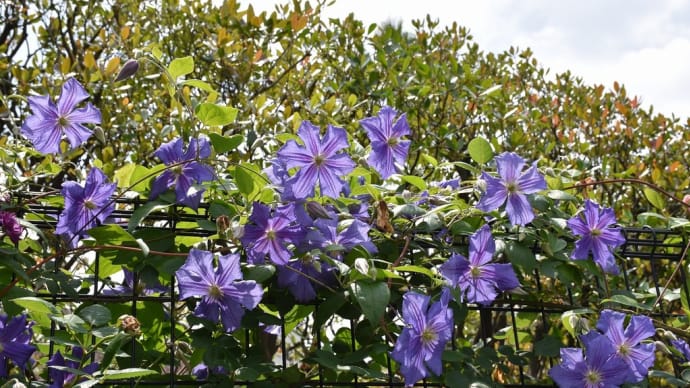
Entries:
{"x":80,"y":250}
{"x":659,"y":190}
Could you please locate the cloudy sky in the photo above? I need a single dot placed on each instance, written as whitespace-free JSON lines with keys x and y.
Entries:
{"x":644,"y":45}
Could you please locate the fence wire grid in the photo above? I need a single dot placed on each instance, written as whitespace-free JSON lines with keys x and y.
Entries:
{"x":652,"y":253}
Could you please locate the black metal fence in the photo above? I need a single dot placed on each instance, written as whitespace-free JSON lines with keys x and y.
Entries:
{"x":650,"y":254}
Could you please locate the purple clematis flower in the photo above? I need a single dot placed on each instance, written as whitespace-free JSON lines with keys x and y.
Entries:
{"x":598,"y":369}
{"x":682,"y":347}
{"x":271,"y":234}
{"x":10,"y":226}
{"x":424,"y":337}
{"x":387,"y":147}
{"x":222,"y":292}
{"x":60,"y":377}
{"x":594,"y":226}
{"x":638,"y":356}
{"x":85,"y":206}
{"x":186,"y":171}
{"x":318,"y":160}
{"x":203,"y":372}
{"x":128,"y":287}
{"x":302,"y":276}
{"x":477,"y":279}
{"x":50,"y":121}
{"x":325,"y":236}
{"x":511,"y":188}
{"x":15,"y":336}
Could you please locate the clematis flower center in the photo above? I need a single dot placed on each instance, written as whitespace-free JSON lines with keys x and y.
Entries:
{"x":62,"y":121}
{"x":428,"y":336}
{"x":215,"y":292}
{"x":89,"y":204}
{"x":319,"y":159}
{"x":393,"y":141}
{"x":592,"y":377}
{"x":177,"y":170}
{"x":271,"y":234}
{"x":624,"y":349}
{"x":475,"y":272}
{"x":512,"y":187}
{"x":596,"y":232}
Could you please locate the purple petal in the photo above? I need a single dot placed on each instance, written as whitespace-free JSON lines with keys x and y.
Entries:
{"x":231,"y":314}
{"x":170,"y":152}
{"x":453,"y":269}
{"x":334,"y":140}
{"x":414,"y":309}
{"x":295,"y":155}
{"x":209,"y":309}
{"x":503,"y":275}
{"x":482,"y":246}
{"x":72,"y":94}
{"x":245,"y":292}
{"x":162,"y":183}
{"x":495,"y":195}
{"x":531,"y":181}
{"x":228,"y":269}
{"x":305,"y":181}
{"x":519,"y":210}
{"x":509,"y":166}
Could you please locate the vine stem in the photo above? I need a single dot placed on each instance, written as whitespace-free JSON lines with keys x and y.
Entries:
{"x":402,"y":255}
{"x":41,"y":262}
{"x":630,"y":180}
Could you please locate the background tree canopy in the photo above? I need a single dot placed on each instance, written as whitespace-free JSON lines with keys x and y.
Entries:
{"x":282,"y":67}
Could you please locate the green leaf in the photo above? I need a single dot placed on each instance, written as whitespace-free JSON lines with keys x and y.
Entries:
{"x":110,"y":234}
{"x":36,"y":305}
{"x":224,"y":144}
{"x":96,"y":315}
{"x":259,"y":273}
{"x":628,"y":301}
{"x":213,"y":115}
{"x":415,"y":269}
{"x":142,"y":212}
{"x":415,"y":181}
{"x":490,"y":90}
{"x":521,"y":256}
{"x":181,"y":66}
{"x":560,"y":195}
{"x":127,"y":373}
{"x":73,"y":322}
{"x":549,"y":347}
{"x":328,"y":308}
{"x":480,"y":150}
{"x":244,"y":180}
{"x":372,"y":298}
{"x":654,"y":198}
{"x":199,"y":84}
{"x":113,"y":347}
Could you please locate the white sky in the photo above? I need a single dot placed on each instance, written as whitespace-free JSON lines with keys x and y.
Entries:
{"x":642,"y":44}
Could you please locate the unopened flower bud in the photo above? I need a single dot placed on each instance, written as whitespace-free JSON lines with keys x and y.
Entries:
{"x":130,"y":324}
{"x":100,"y":135}
{"x":128,"y":69}
{"x":686,"y":199}
{"x":661,"y":347}
{"x":362,"y":265}
{"x":236,"y":230}
{"x":480,"y":184}
{"x":222,"y":226}
{"x":316,"y":210}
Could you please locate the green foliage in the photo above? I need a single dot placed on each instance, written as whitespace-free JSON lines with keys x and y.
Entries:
{"x":247,"y":81}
